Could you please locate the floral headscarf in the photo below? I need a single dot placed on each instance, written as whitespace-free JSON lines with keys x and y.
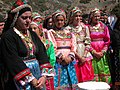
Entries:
{"x":75,"y":10}
{"x":94,"y":11}
{"x":59,"y":12}
{"x":18,"y":8}
{"x":36,"y":15}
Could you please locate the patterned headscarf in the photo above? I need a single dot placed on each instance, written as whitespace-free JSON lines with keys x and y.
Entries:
{"x":37,"y":24}
{"x":94,"y":11}
{"x":75,"y":10}
{"x":18,"y":5}
{"x":59,"y":12}
{"x":18,"y":8}
{"x":36,"y":15}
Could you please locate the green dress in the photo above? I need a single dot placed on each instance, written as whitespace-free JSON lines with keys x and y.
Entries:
{"x":50,"y":52}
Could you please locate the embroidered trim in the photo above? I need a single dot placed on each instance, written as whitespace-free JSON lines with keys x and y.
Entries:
{"x":48,"y":72}
{"x":59,"y":55}
{"x":20,"y":7}
{"x":64,"y":47}
{"x":22,"y":74}
{"x":47,"y":65}
{"x":27,"y":41}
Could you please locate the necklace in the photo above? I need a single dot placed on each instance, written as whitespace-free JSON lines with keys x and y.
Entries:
{"x":96,"y":28}
{"x":27,"y":40}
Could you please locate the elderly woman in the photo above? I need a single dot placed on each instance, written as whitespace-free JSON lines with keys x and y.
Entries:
{"x":100,"y":40}
{"x":22,"y":51}
{"x":63,"y":42}
{"x":83,"y":66}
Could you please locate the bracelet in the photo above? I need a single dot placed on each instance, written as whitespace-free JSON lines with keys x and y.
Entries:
{"x":93,"y":51}
{"x":103,"y":51}
{"x":84,"y":56}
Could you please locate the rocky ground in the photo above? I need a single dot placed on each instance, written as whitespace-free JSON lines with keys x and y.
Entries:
{"x":45,"y":7}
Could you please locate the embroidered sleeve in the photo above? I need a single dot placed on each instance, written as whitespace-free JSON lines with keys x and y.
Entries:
{"x":51,"y":54}
{"x":22,"y":74}
{"x":106,"y":38}
{"x":47,"y":70}
{"x":73,"y":47}
{"x":87,"y":39}
{"x":27,"y":79}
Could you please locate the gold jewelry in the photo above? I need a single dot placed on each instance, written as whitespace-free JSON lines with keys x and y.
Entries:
{"x":96,"y":28}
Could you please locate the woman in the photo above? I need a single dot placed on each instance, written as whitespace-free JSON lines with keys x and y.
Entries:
{"x":36,"y":17}
{"x":63,"y":42}
{"x":83,"y":66}
{"x":100,"y":40}
{"x":48,"y":23}
{"x":22,"y":51}
{"x":42,"y":33}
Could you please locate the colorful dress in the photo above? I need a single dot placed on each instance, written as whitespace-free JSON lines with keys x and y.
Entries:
{"x":22,"y":56}
{"x":65,"y":74}
{"x":84,"y":71}
{"x":100,"y":40}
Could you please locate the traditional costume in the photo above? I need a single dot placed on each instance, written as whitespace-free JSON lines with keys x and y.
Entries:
{"x":24,"y":56}
{"x":63,"y":41}
{"x":50,"y":52}
{"x":100,"y":40}
{"x":84,"y":71}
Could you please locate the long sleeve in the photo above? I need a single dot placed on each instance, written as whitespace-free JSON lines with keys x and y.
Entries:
{"x":106,"y":39}
{"x":87,"y":39}
{"x":41,"y":56}
{"x":73,"y":46}
{"x":51,"y":53}
{"x":52,"y":39}
{"x":12,"y":60}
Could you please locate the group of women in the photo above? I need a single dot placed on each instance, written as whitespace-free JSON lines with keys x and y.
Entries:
{"x":57,"y":55}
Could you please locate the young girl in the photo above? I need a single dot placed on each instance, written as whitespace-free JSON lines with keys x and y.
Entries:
{"x":100,"y":40}
{"x":83,"y":66}
{"x":63,"y":41}
{"x":42,"y":33}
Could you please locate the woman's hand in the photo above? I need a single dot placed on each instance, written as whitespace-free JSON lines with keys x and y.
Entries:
{"x":41,"y":82}
{"x":34,"y":82}
{"x":68,"y":59}
{"x":98,"y":54}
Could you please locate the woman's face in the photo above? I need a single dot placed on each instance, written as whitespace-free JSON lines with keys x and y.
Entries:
{"x":24,"y":20}
{"x":77,"y":17}
{"x":59,"y":21}
{"x":50,"y":23}
{"x":35,"y":28}
{"x":96,"y":18}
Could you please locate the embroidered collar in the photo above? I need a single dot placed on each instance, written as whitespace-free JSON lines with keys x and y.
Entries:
{"x":27,"y":40}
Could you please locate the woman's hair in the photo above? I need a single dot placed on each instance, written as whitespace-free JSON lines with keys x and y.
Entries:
{"x":72,"y":13}
{"x":45,"y":23}
{"x":92,"y":13}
